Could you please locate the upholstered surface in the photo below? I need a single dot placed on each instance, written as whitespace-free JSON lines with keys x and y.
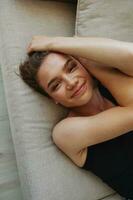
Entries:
{"x":45,"y":172}
{"x":9,"y":180}
{"x":112,"y":19}
{"x":101,"y":18}
{"x":67,"y":1}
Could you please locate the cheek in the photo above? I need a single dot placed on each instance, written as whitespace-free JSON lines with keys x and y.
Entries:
{"x":85,"y":72}
{"x":60,"y":94}
{"x":81,"y":72}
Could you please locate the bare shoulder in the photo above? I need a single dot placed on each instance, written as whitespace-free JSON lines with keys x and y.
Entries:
{"x":74,"y":134}
{"x":61,"y":135}
{"x":62,"y":131}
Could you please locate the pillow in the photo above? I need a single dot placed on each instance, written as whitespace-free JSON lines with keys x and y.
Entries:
{"x":101,"y":18}
{"x":67,"y":1}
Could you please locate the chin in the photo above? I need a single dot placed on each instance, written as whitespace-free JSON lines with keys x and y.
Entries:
{"x":82,"y":103}
{"x":79,"y":101}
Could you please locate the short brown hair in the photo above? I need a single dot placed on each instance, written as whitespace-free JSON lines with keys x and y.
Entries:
{"x":29,"y":68}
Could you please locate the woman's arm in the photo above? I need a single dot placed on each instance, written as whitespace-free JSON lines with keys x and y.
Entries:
{"x":76,"y":133}
{"x":119,"y":84}
{"x":109,"y":52}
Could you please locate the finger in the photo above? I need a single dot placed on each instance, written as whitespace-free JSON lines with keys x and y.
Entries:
{"x":29,"y":48}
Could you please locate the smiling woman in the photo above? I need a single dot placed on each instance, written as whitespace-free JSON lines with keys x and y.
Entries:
{"x":88,"y":76}
{"x":64,"y":76}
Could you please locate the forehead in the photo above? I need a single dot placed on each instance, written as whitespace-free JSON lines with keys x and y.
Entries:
{"x":51,"y":67}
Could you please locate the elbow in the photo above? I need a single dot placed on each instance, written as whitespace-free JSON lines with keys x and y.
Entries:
{"x":55,"y":135}
{"x":58,"y":133}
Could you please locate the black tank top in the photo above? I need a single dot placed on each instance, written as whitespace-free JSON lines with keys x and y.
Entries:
{"x":112,"y":160}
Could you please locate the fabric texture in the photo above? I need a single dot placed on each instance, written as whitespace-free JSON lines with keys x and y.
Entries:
{"x":67,"y":1}
{"x":101,"y":18}
{"x":9,"y":180}
{"x":45,"y":172}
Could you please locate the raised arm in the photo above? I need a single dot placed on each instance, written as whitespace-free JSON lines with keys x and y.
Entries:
{"x":109,"y":52}
{"x":74,"y":134}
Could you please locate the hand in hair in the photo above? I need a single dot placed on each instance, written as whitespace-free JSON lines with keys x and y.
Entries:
{"x":40,"y":43}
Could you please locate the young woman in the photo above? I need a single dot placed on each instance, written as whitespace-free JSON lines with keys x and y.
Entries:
{"x":93,"y":77}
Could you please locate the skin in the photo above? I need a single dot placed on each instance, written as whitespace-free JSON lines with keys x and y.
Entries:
{"x":110,"y":61}
{"x":74,"y":134}
{"x":61,"y":90}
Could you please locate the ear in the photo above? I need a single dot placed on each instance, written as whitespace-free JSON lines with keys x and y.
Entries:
{"x":56,"y":102}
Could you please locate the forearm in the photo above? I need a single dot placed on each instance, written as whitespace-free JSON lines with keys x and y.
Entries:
{"x":106,"y":51}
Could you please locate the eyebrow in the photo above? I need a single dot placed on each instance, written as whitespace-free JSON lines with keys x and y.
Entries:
{"x":64,"y":67}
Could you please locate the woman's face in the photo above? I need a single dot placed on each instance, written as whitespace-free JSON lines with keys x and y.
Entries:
{"x":61,"y":76}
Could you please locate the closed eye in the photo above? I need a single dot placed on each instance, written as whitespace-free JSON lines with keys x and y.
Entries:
{"x":55,"y":87}
{"x":72,"y":67}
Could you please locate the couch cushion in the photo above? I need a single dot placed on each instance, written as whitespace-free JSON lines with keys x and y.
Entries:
{"x":101,"y":18}
{"x":70,"y":1}
{"x":9,"y":180}
{"x":45,"y":172}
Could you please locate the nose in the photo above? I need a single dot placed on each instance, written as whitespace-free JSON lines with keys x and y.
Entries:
{"x":71,"y":82}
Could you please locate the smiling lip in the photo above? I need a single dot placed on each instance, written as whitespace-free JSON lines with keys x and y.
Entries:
{"x":80,"y":90}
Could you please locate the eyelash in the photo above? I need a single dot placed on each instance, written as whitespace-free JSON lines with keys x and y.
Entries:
{"x":72,"y":67}
{"x":54,"y":87}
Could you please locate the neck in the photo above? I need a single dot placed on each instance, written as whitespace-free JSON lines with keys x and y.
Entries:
{"x":95,"y":105}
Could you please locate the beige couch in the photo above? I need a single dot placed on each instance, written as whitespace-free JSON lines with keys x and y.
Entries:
{"x":45,"y":172}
